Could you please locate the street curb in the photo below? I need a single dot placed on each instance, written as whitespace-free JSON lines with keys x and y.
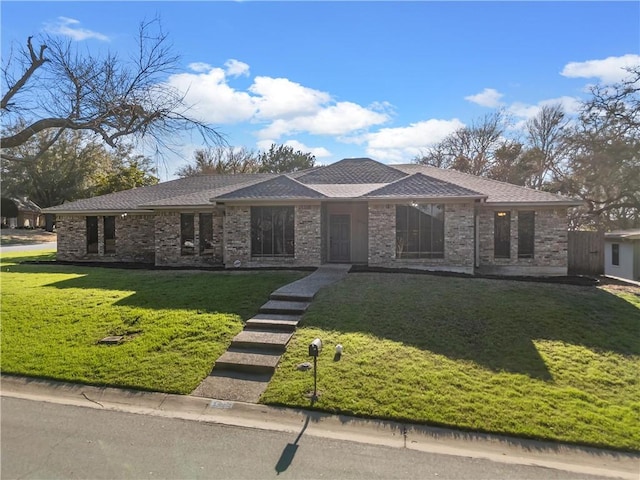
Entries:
{"x":502,"y":449}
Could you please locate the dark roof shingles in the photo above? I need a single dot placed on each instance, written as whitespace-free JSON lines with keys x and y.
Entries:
{"x":419,"y":185}
{"x":352,"y":171}
{"x":281,"y":187}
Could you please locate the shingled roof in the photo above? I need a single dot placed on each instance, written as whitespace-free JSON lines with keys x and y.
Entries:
{"x":281,"y":187}
{"x":422,"y":186}
{"x":351,"y":178}
{"x":352,"y":171}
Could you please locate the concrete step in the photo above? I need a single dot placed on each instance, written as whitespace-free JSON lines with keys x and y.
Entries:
{"x":233,"y":386}
{"x":273,"y":322}
{"x":284,"y":307}
{"x":261,"y":340}
{"x":291,"y":296}
{"x":248,"y":361}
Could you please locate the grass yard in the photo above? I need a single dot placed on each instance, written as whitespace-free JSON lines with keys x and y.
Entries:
{"x":176,"y":323}
{"x":536,"y":360}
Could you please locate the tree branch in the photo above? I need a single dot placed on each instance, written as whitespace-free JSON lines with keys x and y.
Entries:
{"x":37,"y":60}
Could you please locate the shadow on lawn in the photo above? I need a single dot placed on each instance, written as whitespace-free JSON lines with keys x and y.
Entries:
{"x":492,"y":323}
{"x":239,"y":293}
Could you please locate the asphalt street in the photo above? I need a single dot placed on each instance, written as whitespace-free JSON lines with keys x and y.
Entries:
{"x":47,"y":440}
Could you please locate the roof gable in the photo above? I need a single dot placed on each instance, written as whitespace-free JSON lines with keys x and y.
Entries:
{"x":281,"y":187}
{"x":420,"y":185}
{"x":352,"y":171}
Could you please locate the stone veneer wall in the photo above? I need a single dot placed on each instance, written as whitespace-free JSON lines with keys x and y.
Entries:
{"x":237,"y":243}
{"x":167,"y":240}
{"x":550,"y":244}
{"x":134,"y":239}
{"x":459,"y":239}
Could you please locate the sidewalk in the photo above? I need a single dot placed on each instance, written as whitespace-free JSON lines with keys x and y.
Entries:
{"x":580,"y":460}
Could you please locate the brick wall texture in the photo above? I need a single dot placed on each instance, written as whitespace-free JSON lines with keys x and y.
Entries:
{"x":155,"y":239}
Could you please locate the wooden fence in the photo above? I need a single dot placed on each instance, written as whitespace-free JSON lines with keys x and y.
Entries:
{"x":586,"y":253}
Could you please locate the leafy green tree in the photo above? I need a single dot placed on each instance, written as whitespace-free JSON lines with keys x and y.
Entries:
{"x":59,"y":173}
{"x":126,"y":170}
{"x":284,"y":159}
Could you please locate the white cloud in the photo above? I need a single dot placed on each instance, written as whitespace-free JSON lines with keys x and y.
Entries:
{"x":212,"y":99}
{"x":339,"y":119}
{"x":279,"y":105}
{"x":489,"y":97}
{"x":401,"y":144}
{"x":608,"y":70}
{"x":236,"y":68}
{"x":318,"y":152}
{"x":523,"y":112}
{"x":69,"y":27}
{"x":280,"y":97}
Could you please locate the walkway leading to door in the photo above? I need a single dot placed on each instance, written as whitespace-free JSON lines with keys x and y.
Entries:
{"x":243,"y":372}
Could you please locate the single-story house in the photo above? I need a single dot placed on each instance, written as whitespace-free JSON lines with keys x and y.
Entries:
{"x":355,"y":211}
{"x":622,"y":254}
{"x":21,"y":212}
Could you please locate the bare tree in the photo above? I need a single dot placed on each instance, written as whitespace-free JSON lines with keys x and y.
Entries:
{"x":219,"y":160}
{"x":545,"y":135}
{"x":61,"y":88}
{"x":470,"y":149}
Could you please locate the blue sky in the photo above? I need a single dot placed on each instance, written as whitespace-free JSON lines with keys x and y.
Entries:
{"x":350,"y":79}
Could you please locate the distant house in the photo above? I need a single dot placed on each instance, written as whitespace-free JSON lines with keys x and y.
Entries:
{"x":355,"y":211}
{"x":622,"y":254}
{"x":20,"y":212}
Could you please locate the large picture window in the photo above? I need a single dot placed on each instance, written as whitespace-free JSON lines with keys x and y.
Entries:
{"x":502,"y":235}
{"x":420,"y":231}
{"x":109,"y":234}
{"x":272,"y":231}
{"x":526,"y":234}
{"x":92,"y":234}
{"x":187,"y":239}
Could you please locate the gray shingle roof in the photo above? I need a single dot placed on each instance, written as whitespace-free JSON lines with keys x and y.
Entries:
{"x":352,"y":171}
{"x":496,"y":192}
{"x":164,"y":193}
{"x":281,"y":187}
{"x":348,"y":178}
{"x":420,"y":185}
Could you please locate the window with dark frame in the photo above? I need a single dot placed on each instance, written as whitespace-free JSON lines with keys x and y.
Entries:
{"x":272,"y":231}
{"x":92,"y":234}
{"x":502,"y":235}
{"x":526,"y":233}
{"x":187,"y":239}
{"x":110,"y":234}
{"x":420,"y":231}
{"x":205,"y":225}
{"x":615,"y":254}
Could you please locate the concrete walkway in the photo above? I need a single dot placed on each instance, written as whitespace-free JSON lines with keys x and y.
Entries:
{"x":243,"y":372}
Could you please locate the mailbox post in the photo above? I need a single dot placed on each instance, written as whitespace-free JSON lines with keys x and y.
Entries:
{"x":315,"y":348}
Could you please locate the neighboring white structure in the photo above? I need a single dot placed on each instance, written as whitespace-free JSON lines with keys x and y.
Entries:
{"x":622,"y":254}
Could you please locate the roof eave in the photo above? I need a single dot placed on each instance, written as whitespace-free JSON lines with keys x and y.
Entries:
{"x":546,"y":203}
{"x":128,"y":211}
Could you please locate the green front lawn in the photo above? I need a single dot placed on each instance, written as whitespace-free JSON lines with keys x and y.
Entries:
{"x":176,"y":323}
{"x":527,"y":359}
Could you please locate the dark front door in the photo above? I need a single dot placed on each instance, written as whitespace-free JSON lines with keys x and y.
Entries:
{"x":339,"y":238}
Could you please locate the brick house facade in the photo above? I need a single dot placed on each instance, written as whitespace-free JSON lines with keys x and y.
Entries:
{"x":354,"y":211}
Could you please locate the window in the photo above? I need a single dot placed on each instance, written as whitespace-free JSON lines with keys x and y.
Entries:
{"x":187,"y":245}
{"x":502,"y":235}
{"x":92,"y":234}
{"x":109,"y":234}
{"x":420,"y":231}
{"x":615,"y":254}
{"x":272,"y":231}
{"x":205,"y":222}
{"x":526,"y":234}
